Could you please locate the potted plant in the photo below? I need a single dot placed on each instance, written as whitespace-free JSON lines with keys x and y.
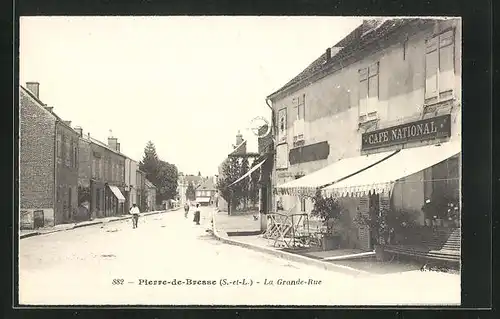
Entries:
{"x":329,"y":211}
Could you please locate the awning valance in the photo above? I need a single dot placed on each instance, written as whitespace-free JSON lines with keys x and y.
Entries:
{"x":380,"y":178}
{"x":203,"y":199}
{"x":116,"y":191}
{"x":250,"y":171}
{"x":334,"y":172}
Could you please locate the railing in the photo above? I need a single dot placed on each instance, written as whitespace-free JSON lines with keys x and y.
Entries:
{"x":288,"y":230}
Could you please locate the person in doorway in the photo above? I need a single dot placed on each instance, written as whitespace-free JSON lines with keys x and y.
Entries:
{"x":197,"y":214}
{"x":134,"y":210}
{"x":186,"y":210}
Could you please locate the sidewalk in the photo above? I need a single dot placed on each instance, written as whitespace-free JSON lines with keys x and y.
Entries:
{"x":349,"y":261}
{"x":240,"y":224}
{"x":63,"y":227}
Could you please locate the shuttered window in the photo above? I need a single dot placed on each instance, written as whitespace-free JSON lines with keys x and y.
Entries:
{"x":368,"y":91}
{"x":440,"y":67}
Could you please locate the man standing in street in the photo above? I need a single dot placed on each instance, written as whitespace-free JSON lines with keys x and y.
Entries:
{"x":186,"y":210}
{"x":135,"y":215}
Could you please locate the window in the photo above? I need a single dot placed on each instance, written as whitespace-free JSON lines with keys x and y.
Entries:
{"x":303,"y":204}
{"x":368,"y":92}
{"x":439,"y":67}
{"x":94,"y":168}
{"x":67,"y":151}
{"x":443,"y":180}
{"x":282,"y":125}
{"x":301,"y":104}
{"x":298,"y":125}
{"x":75,"y":156}
{"x":59,"y":145}
{"x":282,"y":156}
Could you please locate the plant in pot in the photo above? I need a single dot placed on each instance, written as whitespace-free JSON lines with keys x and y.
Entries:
{"x":329,"y":210}
{"x":377,"y":223}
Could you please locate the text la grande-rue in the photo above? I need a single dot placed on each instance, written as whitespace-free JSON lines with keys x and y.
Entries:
{"x":297,"y":282}
{"x":411,"y":130}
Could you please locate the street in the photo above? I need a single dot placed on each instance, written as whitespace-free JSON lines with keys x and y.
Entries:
{"x":113,"y":264}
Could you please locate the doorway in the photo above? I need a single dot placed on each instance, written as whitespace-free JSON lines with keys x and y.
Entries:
{"x":374,"y":211}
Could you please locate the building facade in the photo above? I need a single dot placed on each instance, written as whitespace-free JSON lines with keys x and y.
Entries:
{"x":48,"y":163}
{"x":389,"y":85}
{"x":151,"y":196}
{"x":131,"y":167}
{"x":205,"y":193}
{"x":140,"y":189}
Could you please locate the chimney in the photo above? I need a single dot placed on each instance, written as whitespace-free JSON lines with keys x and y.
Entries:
{"x":34,"y":87}
{"x":328,"y":54}
{"x":239,"y":138}
{"x":79,"y":130}
{"x":49,"y":108}
{"x":112,"y":142}
{"x":68,"y":123}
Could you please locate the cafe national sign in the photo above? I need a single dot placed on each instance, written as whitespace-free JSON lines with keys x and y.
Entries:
{"x":431,"y":128}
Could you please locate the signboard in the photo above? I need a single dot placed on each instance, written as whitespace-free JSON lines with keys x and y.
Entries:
{"x":290,"y":174}
{"x":431,"y":128}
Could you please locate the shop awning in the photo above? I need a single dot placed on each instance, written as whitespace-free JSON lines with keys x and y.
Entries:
{"x":116,"y":191}
{"x":247,"y":174}
{"x":380,"y":178}
{"x":203,"y":199}
{"x":334,"y":172}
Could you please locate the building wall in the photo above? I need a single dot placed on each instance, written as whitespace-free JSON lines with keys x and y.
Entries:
{"x":66,"y":173}
{"x":36,"y":159}
{"x":332,"y":107}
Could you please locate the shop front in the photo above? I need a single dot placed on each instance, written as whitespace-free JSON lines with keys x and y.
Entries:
{"x":416,"y":192}
{"x":114,"y":200}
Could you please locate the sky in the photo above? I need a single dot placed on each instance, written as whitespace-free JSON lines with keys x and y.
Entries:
{"x":188,"y":84}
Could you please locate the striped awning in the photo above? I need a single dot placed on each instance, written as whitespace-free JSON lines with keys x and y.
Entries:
{"x":307,"y":185}
{"x":381,"y":178}
{"x":116,"y":191}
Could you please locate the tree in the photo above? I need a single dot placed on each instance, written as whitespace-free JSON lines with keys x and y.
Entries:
{"x":254,"y":184}
{"x":150,"y":163}
{"x":167,"y":181}
{"x":199,"y":173}
{"x":231,"y":171}
{"x":162,"y":174}
{"x":244,"y":183}
{"x":190,"y":192}
{"x":326,"y":208}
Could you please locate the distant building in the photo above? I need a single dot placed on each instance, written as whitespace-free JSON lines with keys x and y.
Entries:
{"x":48,"y":163}
{"x":205,"y":193}
{"x":140,"y":189}
{"x":101,"y":176}
{"x":183,"y":183}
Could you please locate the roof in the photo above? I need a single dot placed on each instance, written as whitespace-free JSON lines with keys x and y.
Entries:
{"x":96,"y":141}
{"x":364,"y":34}
{"x":196,"y":180}
{"x":207,"y":185}
{"x":149,"y":184}
{"x":43,"y":106}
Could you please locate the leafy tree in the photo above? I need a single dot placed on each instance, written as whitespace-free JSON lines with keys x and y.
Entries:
{"x":167,"y":181}
{"x":231,"y":171}
{"x":190,"y":192}
{"x":254,"y":184}
{"x":244,"y":183}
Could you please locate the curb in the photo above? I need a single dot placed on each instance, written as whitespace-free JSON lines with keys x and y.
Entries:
{"x":289,"y":256}
{"x":91,"y":224}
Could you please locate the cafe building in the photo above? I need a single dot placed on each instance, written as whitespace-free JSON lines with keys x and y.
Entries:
{"x":375,"y":122}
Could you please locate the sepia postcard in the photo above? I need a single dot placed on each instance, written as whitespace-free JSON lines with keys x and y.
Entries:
{"x":217,"y":160}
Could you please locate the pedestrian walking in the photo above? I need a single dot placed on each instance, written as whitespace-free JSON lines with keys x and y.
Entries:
{"x":134,"y":210}
{"x":197,"y":214}
{"x":186,"y":210}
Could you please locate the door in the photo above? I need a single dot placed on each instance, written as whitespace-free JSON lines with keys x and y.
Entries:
{"x":374,"y":211}
{"x":363,"y":230}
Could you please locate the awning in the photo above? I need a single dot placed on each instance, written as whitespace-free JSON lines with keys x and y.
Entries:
{"x":203,"y":199}
{"x":381,"y":177}
{"x":334,"y":172}
{"x":248,"y":173}
{"x":117,"y":193}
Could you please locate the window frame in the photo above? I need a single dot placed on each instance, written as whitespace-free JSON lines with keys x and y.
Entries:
{"x":449,"y":93}
{"x":366,"y":74}
{"x":298,"y":103}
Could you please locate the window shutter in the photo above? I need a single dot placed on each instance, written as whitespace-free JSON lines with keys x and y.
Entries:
{"x":431,"y":67}
{"x":364,"y":231}
{"x":372,"y":94}
{"x":363,"y":91}
{"x":446,"y":62}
